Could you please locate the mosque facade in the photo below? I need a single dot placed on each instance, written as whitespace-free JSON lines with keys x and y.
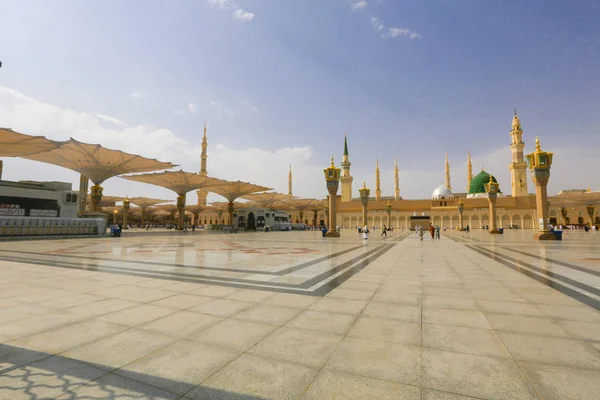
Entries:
{"x":515,"y":210}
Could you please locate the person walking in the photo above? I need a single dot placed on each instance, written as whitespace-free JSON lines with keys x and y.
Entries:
{"x":365,"y":231}
{"x":437,"y":231}
{"x":384,"y":231}
{"x":420,"y":232}
{"x":432,"y":231}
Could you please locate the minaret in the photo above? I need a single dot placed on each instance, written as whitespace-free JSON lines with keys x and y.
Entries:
{"x":448,"y":174}
{"x":396,"y":181}
{"x":377,"y":182}
{"x":469,"y":171}
{"x":518,"y":167}
{"x":346,"y":179}
{"x":202,"y":194}
{"x":290,"y":181}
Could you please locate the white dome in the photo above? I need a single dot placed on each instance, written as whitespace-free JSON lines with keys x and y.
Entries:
{"x":441,"y":192}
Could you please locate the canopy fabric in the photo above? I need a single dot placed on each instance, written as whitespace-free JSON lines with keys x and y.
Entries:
{"x":105,"y":201}
{"x":15,"y":144}
{"x":145,"y":202}
{"x":97,"y":162}
{"x":303,"y":204}
{"x":231,"y":190}
{"x":170,"y":208}
{"x":179,"y":181}
{"x":265,"y":199}
{"x":196,"y":209}
{"x":223,"y":205}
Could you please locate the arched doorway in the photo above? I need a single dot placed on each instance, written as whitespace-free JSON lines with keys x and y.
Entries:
{"x":251,"y":223}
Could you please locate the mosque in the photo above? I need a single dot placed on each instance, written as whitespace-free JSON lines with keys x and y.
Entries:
{"x":517,"y":210}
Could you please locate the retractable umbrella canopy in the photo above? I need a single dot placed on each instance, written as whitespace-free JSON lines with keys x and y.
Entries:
{"x":96,"y":162}
{"x":180,"y":182}
{"x":232,"y":190}
{"x":15,"y":144}
{"x":303,"y":204}
{"x":145,"y":202}
{"x":266,"y":199}
{"x":106,"y":201}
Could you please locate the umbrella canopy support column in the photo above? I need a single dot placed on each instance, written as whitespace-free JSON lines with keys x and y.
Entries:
{"x":143,"y":216}
{"x":96,"y":195}
{"x":230,"y":211}
{"x":83,"y":188}
{"x":1,"y":168}
{"x":126,"y":205}
{"x":181,"y":212}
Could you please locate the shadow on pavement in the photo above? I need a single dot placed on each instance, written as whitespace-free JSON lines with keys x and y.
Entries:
{"x":34,"y":375}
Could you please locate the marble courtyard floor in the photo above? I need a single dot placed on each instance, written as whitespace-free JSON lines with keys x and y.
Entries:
{"x":289,"y":315}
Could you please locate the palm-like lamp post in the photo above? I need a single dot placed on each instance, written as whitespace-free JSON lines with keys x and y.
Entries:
{"x":492,"y":188}
{"x":591,"y":211}
{"x":388,"y":210}
{"x":364,"y":200}
{"x":539,"y":163}
{"x":461,"y":208}
{"x":332,"y":177}
{"x":126,"y":205}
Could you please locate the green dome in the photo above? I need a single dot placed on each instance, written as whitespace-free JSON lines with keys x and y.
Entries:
{"x":478,"y":182}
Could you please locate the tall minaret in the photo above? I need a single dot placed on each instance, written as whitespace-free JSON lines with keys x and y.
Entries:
{"x":448,"y":174}
{"x":518,"y":167}
{"x":396,"y":181}
{"x":346,"y":179}
{"x":377,"y":182}
{"x":290,"y":181}
{"x":202,"y":194}
{"x":469,"y":171}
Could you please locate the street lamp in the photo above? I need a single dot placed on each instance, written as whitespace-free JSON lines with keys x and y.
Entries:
{"x":332,"y":177}
{"x":364,"y":199}
{"x":492,"y":188}
{"x":115,"y":217}
{"x":461,"y":208}
{"x":388,"y":209}
{"x":539,"y":163}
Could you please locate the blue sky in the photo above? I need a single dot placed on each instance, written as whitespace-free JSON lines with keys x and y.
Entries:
{"x":405,"y":78}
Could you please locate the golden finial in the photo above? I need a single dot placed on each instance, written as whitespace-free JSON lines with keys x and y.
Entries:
{"x":515,"y":110}
{"x":332,"y":162}
{"x":589,"y":190}
{"x":364,"y":184}
{"x":537,"y":144}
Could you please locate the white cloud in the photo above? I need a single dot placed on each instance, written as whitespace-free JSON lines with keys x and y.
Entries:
{"x":30,"y":116}
{"x":392,"y":32}
{"x":376,"y":24}
{"x":242,"y":15}
{"x":355,"y":5}
{"x":571,"y":168}
{"x":238,"y":14}
{"x":221,"y":109}
{"x":221,"y":3}
{"x":396,"y":32}
{"x":112,"y":120}
{"x":192,"y":108}
{"x":247,"y":104}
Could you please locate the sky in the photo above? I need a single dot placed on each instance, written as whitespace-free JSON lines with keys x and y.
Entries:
{"x":280,"y":82}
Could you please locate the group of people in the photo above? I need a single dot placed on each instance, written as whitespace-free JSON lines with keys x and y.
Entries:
{"x":433,"y":230}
